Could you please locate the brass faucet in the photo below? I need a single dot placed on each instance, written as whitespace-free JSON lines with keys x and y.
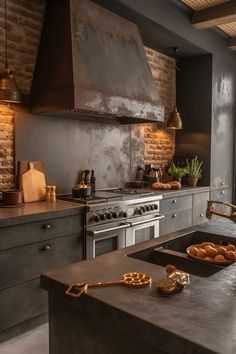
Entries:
{"x":211,"y":210}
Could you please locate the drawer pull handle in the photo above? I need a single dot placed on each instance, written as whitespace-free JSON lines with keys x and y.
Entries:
{"x":174,"y":216}
{"x":201,"y":215}
{"x":222,"y":192}
{"x":47,"y":227}
{"x":174,"y":201}
{"x":223,"y":183}
{"x":47,"y":248}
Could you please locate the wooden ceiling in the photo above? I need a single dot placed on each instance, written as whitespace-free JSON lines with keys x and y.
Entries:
{"x":215,"y":13}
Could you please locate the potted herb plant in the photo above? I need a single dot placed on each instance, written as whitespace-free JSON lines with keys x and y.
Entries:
{"x":177,"y":172}
{"x":194,"y":171}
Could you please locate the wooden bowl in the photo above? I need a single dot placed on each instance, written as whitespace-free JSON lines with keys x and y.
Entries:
{"x":226,"y":262}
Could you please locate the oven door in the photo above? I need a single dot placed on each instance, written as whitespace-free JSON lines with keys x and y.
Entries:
{"x":105,"y":238}
{"x":142,"y":229}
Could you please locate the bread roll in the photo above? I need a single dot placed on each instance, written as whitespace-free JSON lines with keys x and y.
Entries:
{"x":175,"y":185}
{"x":159,"y":185}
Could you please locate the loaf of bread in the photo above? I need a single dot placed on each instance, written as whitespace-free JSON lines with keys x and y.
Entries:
{"x":164,"y":186}
{"x":159,"y":185}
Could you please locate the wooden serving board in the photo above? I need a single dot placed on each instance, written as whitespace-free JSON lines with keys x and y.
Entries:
{"x":33,"y":184}
{"x":23,"y":166}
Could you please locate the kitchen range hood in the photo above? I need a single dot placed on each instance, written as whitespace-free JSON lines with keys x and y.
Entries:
{"x":92,"y":65}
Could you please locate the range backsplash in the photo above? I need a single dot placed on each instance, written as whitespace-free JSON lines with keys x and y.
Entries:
{"x":70,"y":146}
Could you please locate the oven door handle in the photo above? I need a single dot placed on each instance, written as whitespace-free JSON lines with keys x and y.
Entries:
{"x":98,"y":232}
{"x":158,"y":217}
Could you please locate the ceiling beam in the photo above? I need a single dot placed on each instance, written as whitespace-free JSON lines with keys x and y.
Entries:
{"x":232,"y":43}
{"x":215,"y":15}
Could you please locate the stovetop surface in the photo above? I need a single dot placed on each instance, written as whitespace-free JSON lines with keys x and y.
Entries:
{"x":109,"y":195}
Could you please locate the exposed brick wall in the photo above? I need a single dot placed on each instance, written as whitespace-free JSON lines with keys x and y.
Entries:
{"x":7,"y":179}
{"x":160,"y":142}
{"x":24,"y":23}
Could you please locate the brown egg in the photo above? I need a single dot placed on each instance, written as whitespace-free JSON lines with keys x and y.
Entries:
{"x":208,"y":259}
{"x":219,"y":258}
{"x":230,"y":255}
{"x":204,"y":244}
{"x":222,"y":250}
{"x":230,"y":247}
{"x":210,"y":251}
{"x":193,"y":251}
{"x":201,"y":253}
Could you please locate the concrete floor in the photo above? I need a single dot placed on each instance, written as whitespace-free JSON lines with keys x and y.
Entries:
{"x":34,"y":341}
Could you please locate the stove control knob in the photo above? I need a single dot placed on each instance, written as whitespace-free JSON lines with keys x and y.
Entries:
{"x":114,"y":214}
{"x":139,"y":211}
{"x":102,"y":216}
{"x":147,"y":207}
{"x":152,"y":207}
{"x":123,"y":214}
{"x":108,"y":215}
{"x":155,"y":206}
{"x":96,"y":218}
{"x":143,"y":209}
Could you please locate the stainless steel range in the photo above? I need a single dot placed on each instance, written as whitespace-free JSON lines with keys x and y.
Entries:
{"x":119,"y":218}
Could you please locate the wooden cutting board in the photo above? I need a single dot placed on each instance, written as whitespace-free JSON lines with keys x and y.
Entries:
{"x":23,"y":166}
{"x":33,"y":184}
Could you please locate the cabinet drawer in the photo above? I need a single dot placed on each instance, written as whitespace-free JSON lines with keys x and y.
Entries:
{"x":221,"y":195}
{"x":27,"y":262}
{"x":23,"y":234}
{"x":22,"y":302}
{"x":199,"y":207}
{"x":174,"y":204}
{"x":176,"y":221}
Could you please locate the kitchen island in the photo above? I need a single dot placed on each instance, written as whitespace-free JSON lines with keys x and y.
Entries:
{"x":200,"y":319}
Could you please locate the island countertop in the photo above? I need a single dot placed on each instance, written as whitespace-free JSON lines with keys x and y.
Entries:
{"x":200,"y":319}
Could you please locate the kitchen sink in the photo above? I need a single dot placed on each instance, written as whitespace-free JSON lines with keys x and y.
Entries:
{"x":174,"y":252}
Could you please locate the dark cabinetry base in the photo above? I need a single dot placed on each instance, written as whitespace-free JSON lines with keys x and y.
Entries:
{"x":77,"y":332}
{"x":23,"y":327}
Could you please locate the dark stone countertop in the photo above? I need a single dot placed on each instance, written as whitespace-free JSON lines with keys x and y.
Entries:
{"x":37,"y":211}
{"x":185,"y":190}
{"x":199,"y":320}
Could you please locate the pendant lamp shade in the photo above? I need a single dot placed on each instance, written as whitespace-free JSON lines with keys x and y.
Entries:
{"x":174,"y":121}
{"x":9,"y":92}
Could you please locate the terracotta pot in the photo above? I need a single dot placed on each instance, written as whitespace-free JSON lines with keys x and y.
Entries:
{"x":192,"y":181}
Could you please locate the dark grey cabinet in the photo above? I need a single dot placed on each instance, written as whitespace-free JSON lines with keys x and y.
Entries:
{"x":208,"y":117}
{"x":28,"y":250}
{"x":176,"y":220}
{"x":178,"y":213}
{"x":183,"y":211}
{"x":222,"y":195}
{"x":21,"y":303}
{"x":199,"y":207}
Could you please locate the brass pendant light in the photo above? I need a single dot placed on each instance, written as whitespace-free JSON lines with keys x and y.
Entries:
{"x":9,"y":92}
{"x":174,"y":121}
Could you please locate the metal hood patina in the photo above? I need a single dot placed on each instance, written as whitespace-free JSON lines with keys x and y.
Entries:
{"x":92,"y":64}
